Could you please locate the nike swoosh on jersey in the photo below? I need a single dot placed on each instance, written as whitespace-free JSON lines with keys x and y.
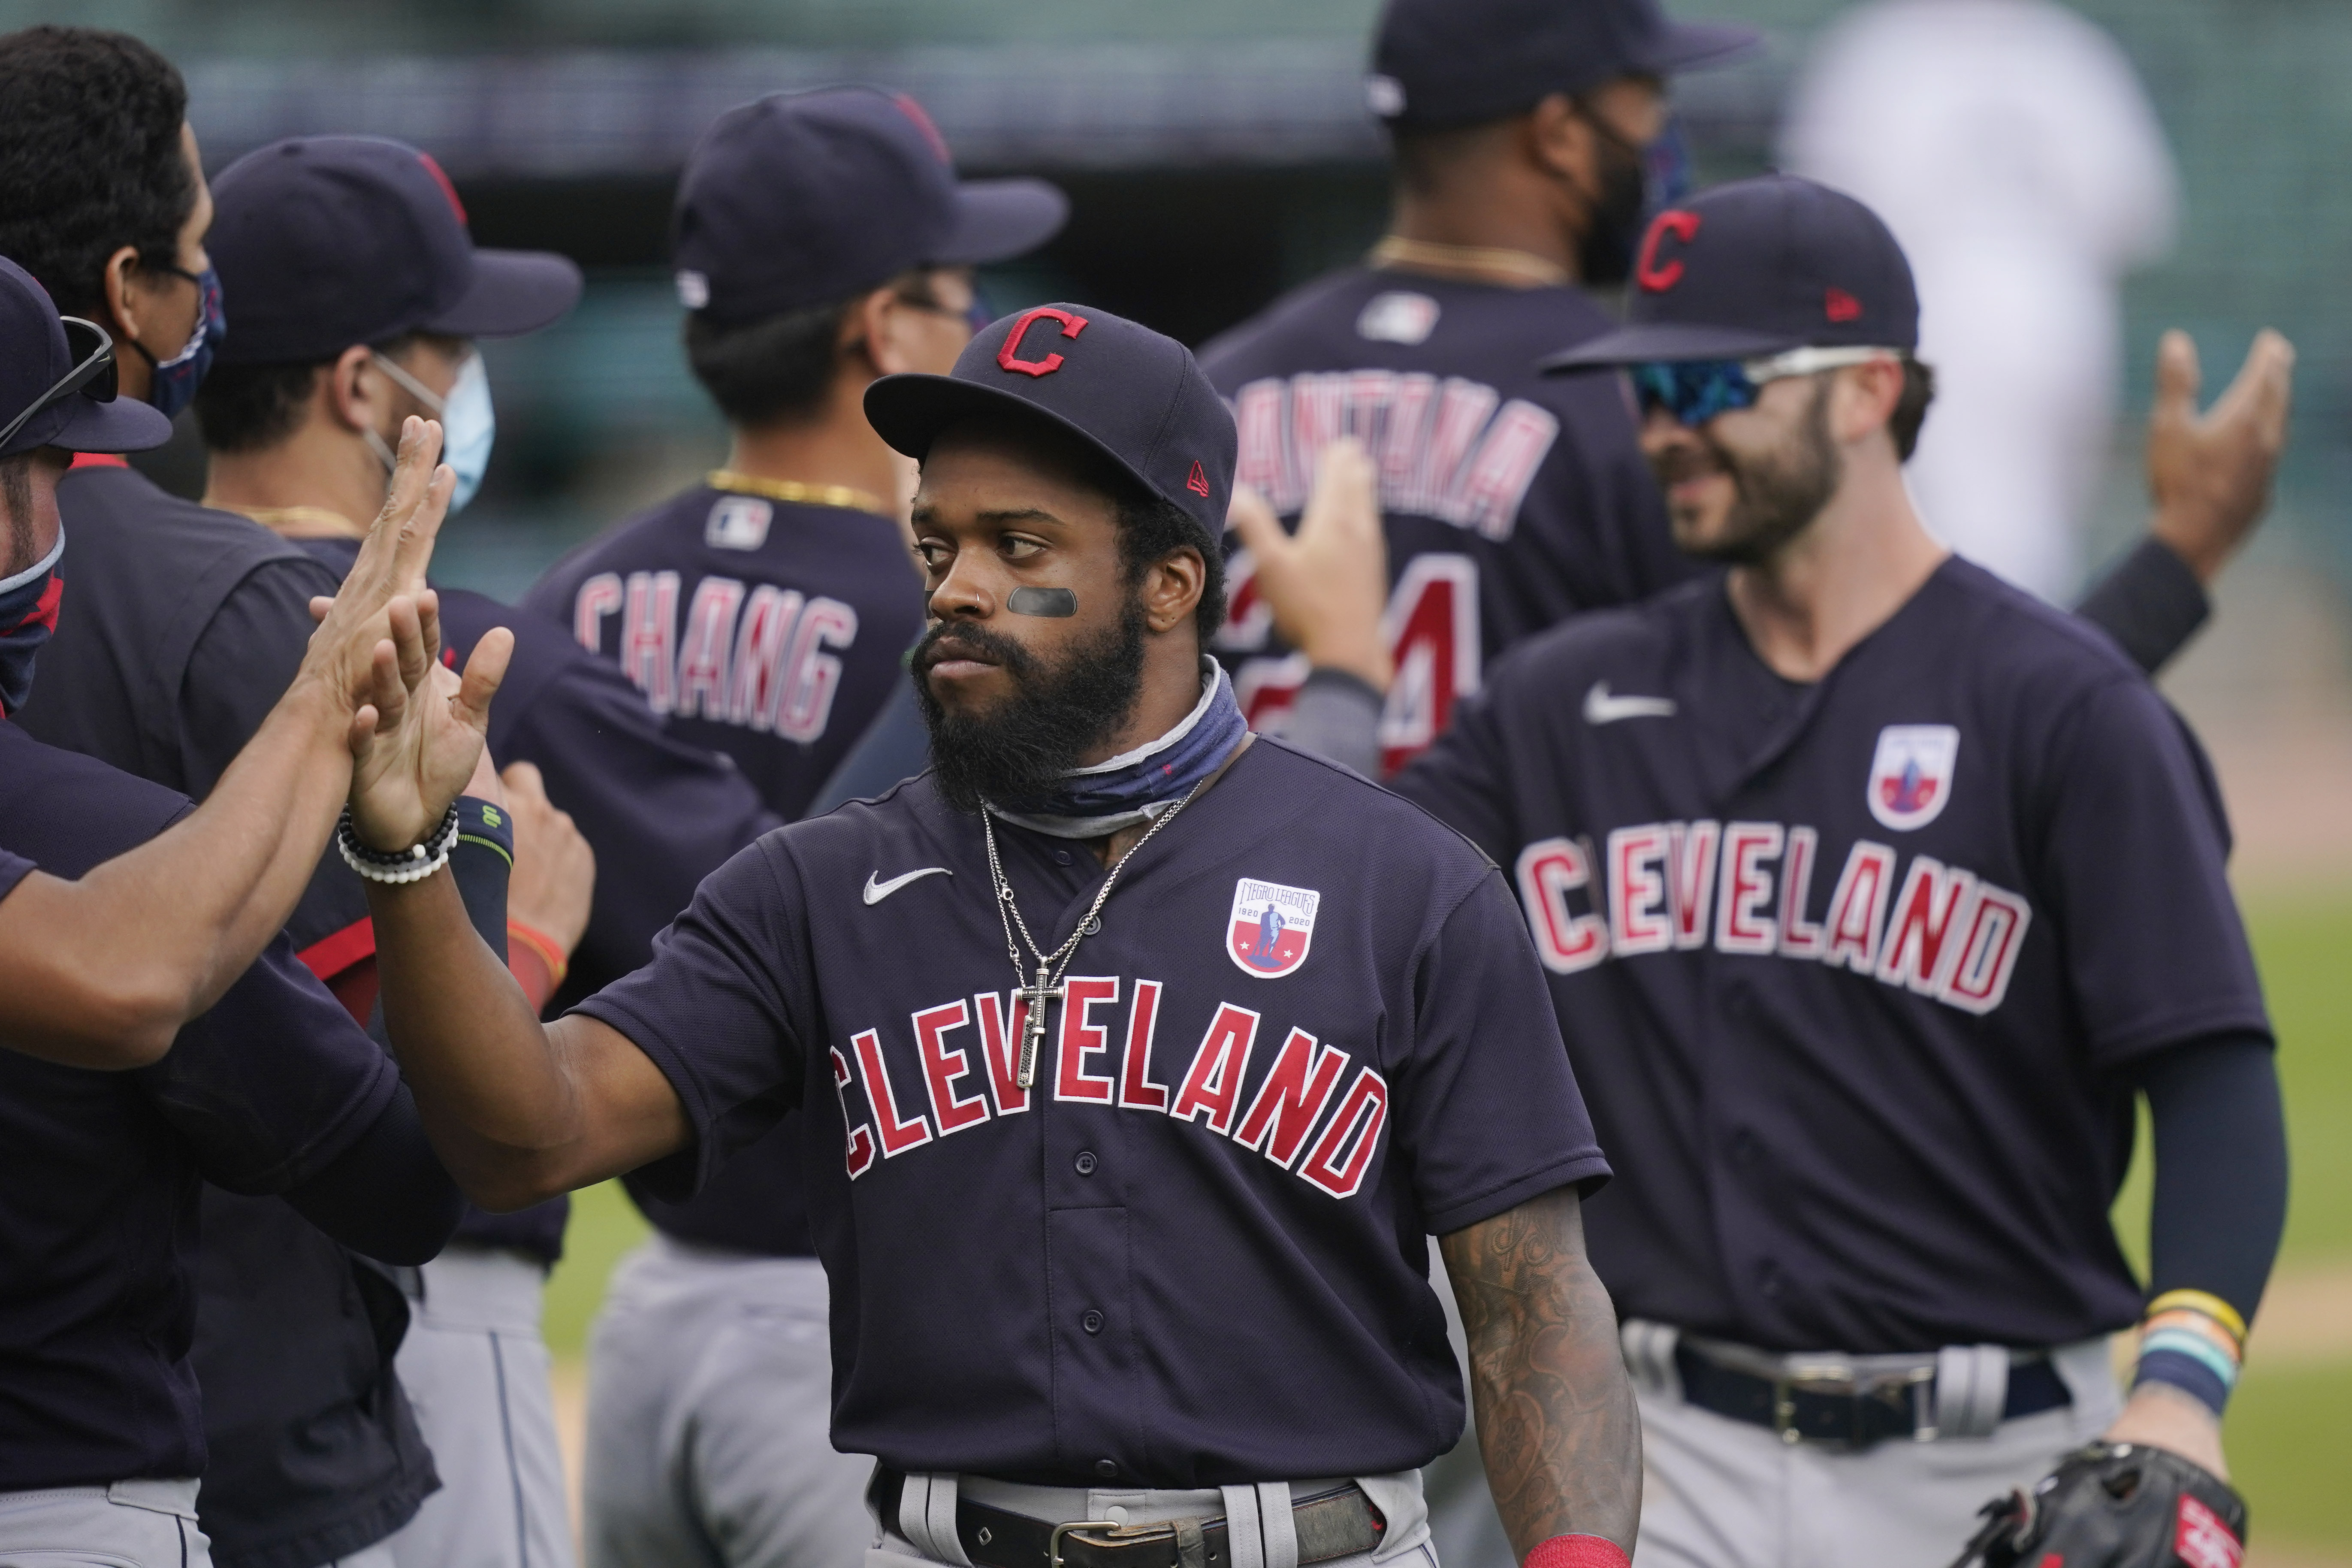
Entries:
{"x":878,"y":891}
{"x":1600,"y":708}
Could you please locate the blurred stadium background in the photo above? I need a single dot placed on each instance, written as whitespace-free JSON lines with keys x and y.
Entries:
{"x":1217,"y":152}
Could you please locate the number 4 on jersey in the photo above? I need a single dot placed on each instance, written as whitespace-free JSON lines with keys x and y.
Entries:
{"x":1432,"y":629}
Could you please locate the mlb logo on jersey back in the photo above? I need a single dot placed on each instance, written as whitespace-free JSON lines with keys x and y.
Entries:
{"x":1271,"y":926}
{"x":738,"y":522}
{"x":1398,"y":316}
{"x":1911,"y":773}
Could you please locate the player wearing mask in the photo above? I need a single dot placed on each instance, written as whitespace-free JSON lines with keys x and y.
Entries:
{"x":362,"y":287}
{"x":821,"y":240}
{"x":1872,"y":891}
{"x":1151,"y":1255}
{"x":188,"y":625}
{"x":270,"y":1088}
{"x":1510,"y":501}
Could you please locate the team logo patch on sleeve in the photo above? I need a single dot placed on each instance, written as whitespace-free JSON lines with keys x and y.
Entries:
{"x":1911,"y":773}
{"x":1271,"y":926}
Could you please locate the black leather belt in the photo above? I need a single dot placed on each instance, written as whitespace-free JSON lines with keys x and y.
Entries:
{"x":1853,"y":1409}
{"x":1340,"y":1522}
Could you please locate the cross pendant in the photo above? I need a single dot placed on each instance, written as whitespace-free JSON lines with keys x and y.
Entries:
{"x":1033,"y":1026}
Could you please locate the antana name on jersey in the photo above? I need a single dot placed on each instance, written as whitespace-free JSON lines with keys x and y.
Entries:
{"x":1745,"y":888}
{"x":965,"y":1075}
{"x":767,"y":658}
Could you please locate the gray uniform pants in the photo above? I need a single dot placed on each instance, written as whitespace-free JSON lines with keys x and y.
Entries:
{"x":709,"y":1405}
{"x":1718,"y":1494}
{"x":130,"y":1524}
{"x":1258,"y":1518}
{"x":476,"y":1371}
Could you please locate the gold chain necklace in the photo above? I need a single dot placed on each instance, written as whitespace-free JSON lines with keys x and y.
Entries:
{"x":1396,"y":252}
{"x":844,"y":496}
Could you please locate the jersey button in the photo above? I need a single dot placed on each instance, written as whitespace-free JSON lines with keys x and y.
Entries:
{"x":1092,"y":1322}
{"x":1086,"y":1161}
{"x":1107,"y":1468}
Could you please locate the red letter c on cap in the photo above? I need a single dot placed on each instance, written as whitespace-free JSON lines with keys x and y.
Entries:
{"x":1009,"y":355}
{"x":1657,"y":279}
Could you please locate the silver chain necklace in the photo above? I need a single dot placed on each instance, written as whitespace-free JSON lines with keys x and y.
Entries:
{"x":1048,"y":983}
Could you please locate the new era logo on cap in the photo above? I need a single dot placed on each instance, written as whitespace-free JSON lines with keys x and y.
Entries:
{"x":1133,"y":394}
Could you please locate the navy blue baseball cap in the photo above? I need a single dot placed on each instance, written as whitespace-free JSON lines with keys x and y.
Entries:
{"x":1126,"y":391}
{"x":1458,"y":62}
{"x":804,"y":199}
{"x":1757,"y":267}
{"x":39,"y":359}
{"x":322,"y":242}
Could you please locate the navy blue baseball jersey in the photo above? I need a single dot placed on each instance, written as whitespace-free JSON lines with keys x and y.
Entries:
{"x":1856,"y":975}
{"x":768,"y":629}
{"x":1192,"y":1253}
{"x":1511,"y":501}
{"x":98,"y":1171}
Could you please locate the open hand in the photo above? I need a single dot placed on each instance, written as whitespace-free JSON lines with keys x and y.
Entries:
{"x":2211,"y":474}
{"x":1329,"y":582}
{"x":392,"y":560}
{"x":419,"y":739}
{"x":554,"y":880}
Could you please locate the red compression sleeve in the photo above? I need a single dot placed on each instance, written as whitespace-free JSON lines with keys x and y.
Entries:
{"x":1578,"y":1552}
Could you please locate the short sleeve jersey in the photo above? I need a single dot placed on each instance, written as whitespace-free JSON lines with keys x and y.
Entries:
{"x":98,"y":1171}
{"x":1511,"y":501}
{"x":769,"y":630}
{"x":1193,"y":1252}
{"x":1856,"y":974}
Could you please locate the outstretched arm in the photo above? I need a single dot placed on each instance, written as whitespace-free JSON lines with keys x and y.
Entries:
{"x":102,"y":971}
{"x":1556,"y":1418}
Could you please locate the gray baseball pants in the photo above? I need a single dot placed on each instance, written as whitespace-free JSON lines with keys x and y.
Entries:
{"x":476,"y":1371}
{"x":709,"y":1407}
{"x":130,"y":1524}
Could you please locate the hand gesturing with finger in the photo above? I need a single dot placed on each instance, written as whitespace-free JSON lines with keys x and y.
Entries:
{"x":2211,"y":474}
{"x":418,"y":739}
{"x":1328,"y":584}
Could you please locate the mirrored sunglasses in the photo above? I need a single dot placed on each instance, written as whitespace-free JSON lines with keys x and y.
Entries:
{"x":1696,"y":391}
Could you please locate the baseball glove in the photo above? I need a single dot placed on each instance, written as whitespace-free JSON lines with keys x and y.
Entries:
{"x":2115,"y":1505}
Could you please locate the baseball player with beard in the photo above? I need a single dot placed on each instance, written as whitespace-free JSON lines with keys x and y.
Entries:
{"x":1872,"y":892}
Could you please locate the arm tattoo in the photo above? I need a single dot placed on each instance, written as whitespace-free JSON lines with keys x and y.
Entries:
{"x":1556,"y":1419}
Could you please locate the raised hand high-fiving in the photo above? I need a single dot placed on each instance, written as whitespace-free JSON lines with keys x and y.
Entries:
{"x":428,"y":727}
{"x":354,"y":623}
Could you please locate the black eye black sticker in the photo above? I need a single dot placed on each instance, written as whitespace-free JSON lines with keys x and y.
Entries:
{"x":1056,"y":603}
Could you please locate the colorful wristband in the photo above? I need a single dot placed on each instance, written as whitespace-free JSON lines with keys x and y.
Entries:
{"x":550,"y":952}
{"x":2206,"y":1303}
{"x":1578,"y":1552}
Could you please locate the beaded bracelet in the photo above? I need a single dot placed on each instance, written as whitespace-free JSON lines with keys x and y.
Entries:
{"x":412,"y":864}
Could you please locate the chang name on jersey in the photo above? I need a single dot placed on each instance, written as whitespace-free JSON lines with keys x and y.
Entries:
{"x":765,"y":658}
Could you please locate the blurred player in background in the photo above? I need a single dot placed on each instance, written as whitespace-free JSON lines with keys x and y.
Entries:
{"x":1518,"y":131}
{"x":2009,"y":147}
{"x":821,"y":240}
{"x":1708,"y":802}
{"x":362,"y":294}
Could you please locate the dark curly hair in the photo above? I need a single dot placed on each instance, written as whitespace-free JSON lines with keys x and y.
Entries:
{"x":90,"y":158}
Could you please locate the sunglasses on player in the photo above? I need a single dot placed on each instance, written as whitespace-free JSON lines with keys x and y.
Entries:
{"x":92,"y":375}
{"x":1696,"y":391}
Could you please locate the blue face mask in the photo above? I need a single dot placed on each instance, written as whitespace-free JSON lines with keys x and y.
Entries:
{"x":28,"y":614}
{"x":468,"y":424}
{"x":177,"y":378}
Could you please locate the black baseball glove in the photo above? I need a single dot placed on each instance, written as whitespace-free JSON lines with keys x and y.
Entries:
{"x":2115,"y":1505}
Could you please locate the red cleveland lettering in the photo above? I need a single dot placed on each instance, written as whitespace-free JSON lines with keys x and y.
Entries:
{"x":1799,"y":938}
{"x":860,"y":1151}
{"x":1988,"y":955}
{"x":1740,"y":924}
{"x":1214,"y":1079}
{"x":1137,"y":1091}
{"x":1547,"y":873}
{"x":943,"y":1064}
{"x":1637,"y":890}
{"x":1918,"y":953}
{"x":1344,"y":1153}
{"x":1081,"y":1037}
{"x":1858,"y":908}
{"x":1000,"y":1042}
{"x":898,"y":1134}
{"x":1291,"y":1100}
{"x":1692,"y":883}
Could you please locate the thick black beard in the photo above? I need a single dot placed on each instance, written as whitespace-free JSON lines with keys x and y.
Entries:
{"x":1605,"y":255}
{"x":1779,"y":496}
{"x":1016,"y":754}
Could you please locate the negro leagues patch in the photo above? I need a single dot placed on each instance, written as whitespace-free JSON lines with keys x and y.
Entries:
{"x":1270,"y":927}
{"x":1911,"y":773}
